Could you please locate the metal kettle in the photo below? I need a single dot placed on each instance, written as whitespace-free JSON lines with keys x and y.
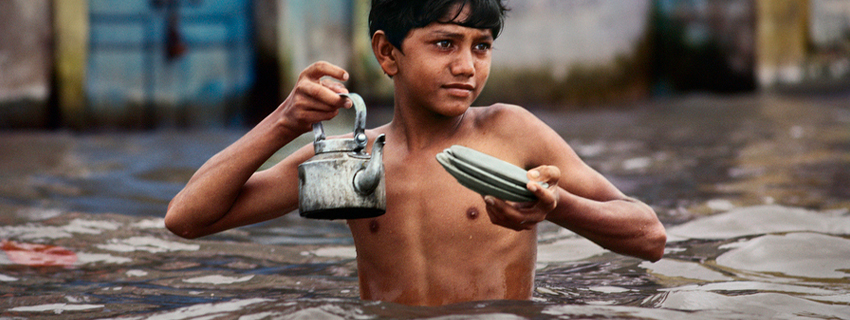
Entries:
{"x":342,"y":181}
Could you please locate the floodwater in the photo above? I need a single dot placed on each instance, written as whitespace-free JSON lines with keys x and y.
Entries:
{"x":754,"y":191}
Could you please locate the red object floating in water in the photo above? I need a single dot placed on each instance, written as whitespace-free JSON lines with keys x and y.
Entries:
{"x":38,"y":255}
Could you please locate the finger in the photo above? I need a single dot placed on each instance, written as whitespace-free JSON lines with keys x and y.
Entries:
{"x":495,"y":211}
{"x":503,"y":214}
{"x":322,"y":68}
{"x":549,"y":174}
{"x":306,"y":117}
{"x":323,"y":97}
{"x":334,"y":85}
{"x":339,"y":88}
{"x":547,"y":200}
{"x":542,"y":194}
{"x":517,"y":212}
{"x":306,"y":109}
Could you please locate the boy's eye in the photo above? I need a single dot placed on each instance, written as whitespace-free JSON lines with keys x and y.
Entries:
{"x":444,"y":44}
{"x":483,"y":46}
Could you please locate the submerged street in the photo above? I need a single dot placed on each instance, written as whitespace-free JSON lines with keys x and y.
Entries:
{"x":754,"y":191}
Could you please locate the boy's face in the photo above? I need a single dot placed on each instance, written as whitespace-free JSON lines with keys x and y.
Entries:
{"x":444,"y":66}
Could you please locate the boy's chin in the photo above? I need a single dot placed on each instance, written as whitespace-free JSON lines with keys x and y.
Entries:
{"x":448,"y":106}
{"x":454,"y":109}
{"x":459,"y":105}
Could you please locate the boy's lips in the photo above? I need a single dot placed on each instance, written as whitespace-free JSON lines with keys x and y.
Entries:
{"x":460,"y":89}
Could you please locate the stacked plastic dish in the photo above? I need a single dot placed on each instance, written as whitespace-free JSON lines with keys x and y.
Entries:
{"x":486,"y":174}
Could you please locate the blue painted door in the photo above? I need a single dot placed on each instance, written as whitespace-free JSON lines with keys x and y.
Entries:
{"x":155,"y":63}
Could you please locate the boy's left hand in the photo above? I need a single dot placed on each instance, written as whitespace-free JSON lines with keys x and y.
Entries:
{"x":525,"y":215}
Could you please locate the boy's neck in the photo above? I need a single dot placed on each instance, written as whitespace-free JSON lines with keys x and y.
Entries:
{"x":420,"y":128}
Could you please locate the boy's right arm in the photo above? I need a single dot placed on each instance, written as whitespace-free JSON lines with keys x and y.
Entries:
{"x":227,"y":192}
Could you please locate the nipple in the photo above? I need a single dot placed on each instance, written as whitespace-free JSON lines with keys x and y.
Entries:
{"x":472,"y":213}
{"x":374,"y":226}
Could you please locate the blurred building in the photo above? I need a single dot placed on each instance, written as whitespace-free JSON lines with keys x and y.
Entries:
{"x":826,"y":62}
{"x":703,"y":45}
{"x":26,"y":61}
{"x":176,"y":63}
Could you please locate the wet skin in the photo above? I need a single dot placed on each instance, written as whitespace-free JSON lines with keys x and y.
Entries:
{"x":430,"y":248}
{"x":434,"y":245}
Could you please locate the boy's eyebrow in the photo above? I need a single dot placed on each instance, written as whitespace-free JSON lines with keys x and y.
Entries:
{"x":457,"y":35}
{"x":447,"y":34}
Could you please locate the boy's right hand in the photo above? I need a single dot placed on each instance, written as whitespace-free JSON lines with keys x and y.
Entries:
{"x":315,"y":97}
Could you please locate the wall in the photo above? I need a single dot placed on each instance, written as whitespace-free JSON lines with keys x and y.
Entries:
{"x":169,"y":63}
{"x":71,"y":38}
{"x":25,"y":63}
{"x":573,"y":53}
{"x":701,"y":45}
{"x":827,"y":63}
{"x":782,"y":41}
{"x":550,"y":52}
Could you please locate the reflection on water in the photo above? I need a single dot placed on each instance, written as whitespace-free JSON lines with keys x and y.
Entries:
{"x":755,"y":192}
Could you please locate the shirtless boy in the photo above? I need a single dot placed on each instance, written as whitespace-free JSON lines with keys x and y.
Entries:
{"x":438,"y":243}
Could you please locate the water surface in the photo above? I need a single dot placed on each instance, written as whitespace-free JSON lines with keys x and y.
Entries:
{"x":754,"y":191}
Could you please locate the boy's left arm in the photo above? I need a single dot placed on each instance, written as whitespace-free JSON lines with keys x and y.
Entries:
{"x":579,"y":199}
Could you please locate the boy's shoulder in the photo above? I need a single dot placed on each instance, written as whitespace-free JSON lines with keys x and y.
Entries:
{"x":507,"y":118}
{"x":501,"y":112}
{"x":531,"y":141}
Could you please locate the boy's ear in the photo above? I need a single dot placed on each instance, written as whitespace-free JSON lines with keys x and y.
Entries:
{"x":383,"y":50}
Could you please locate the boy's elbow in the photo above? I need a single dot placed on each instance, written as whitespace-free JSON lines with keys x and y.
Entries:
{"x":655,"y":238}
{"x":177,"y":228}
{"x":654,"y":244}
{"x":180,"y":228}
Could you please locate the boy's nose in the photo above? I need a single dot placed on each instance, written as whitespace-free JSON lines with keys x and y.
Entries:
{"x":464,"y":64}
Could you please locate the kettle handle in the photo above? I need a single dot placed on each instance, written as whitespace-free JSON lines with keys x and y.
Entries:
{"x":359,"y":122}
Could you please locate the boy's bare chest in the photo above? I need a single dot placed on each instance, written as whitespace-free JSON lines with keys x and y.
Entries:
{"x":439,"y":233}
{"x":423,"y":189}
{"x":426,"y":206}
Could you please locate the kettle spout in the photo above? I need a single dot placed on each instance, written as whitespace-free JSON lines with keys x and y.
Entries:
{"x":367,"y":179}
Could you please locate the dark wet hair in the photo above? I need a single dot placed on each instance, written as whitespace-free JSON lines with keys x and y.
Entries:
{"x":397,"y":17}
